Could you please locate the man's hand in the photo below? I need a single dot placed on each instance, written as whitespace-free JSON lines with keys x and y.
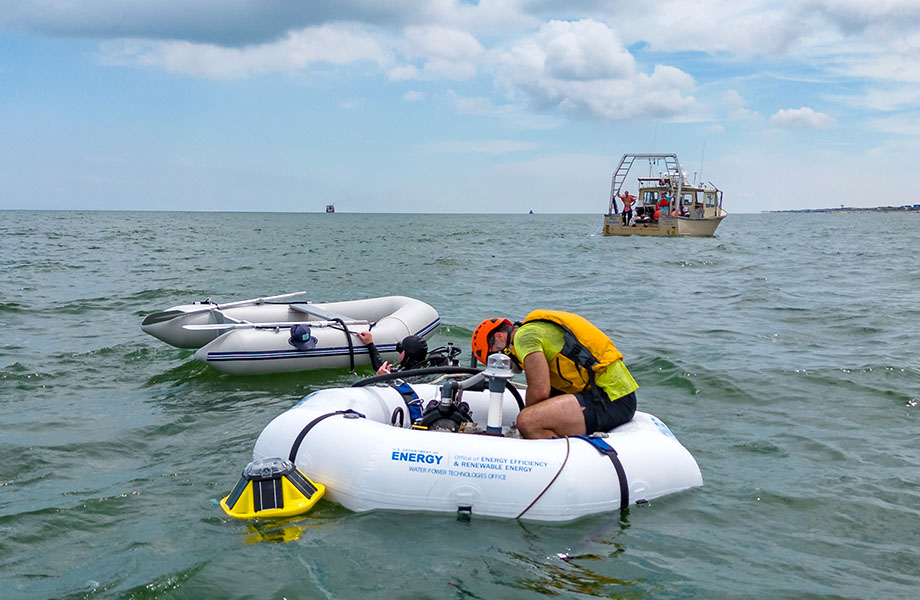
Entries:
{"x":384,"y":368}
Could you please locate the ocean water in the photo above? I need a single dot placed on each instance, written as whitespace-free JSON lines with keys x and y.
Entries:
{"x":783,"y":353}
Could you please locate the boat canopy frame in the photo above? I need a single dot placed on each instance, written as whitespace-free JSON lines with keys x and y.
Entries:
{"x":673,"y":170}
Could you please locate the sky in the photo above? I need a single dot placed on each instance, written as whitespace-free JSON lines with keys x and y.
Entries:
{"x":453,"y":106}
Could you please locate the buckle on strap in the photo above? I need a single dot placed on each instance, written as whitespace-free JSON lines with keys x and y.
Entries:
{"x":604,"y":448}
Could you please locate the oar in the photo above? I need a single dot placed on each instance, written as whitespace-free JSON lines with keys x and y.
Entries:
{"x":278,"y":325}
{"x":166,"y":315}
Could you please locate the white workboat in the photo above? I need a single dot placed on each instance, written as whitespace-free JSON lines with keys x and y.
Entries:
{"x":411,"y":448}
{"x":667,"y":203}
{"x":267,"y":335}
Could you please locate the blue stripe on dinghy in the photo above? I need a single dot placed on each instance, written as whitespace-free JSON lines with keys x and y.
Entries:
{"x":429,"y":328}
{"x":276,"y":354}
{"x":314,"y":353}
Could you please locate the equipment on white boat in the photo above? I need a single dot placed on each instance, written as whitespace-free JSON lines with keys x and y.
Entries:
{"x":422,"y":447}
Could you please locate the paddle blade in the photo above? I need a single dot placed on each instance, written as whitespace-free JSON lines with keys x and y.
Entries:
{"x":162,"y":316}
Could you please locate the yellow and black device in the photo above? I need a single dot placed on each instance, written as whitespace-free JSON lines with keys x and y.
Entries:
{"x":271,"y":488}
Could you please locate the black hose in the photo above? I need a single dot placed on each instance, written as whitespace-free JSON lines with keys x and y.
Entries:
{"x":415,"y":372}
{"x":447,"y":370}
{"x":351,"y":344}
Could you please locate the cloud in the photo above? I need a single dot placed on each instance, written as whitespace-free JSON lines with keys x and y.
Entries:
{"x":801,"y":118}
{"x":885,"y":100}
{"x":240,"y":23}
{"x":445,"y":53}
{"x":908,"y":125}
{"x":403,"y":73}
{"x":581,"y":67}
{"x":515,"y":116}
{"x":736,"y":106}
{"x":441,"y":53}
{"x":220,"y":22}
{"x":413,"y":96}
{"x":335,"y":44}
{"x":854,"y":16}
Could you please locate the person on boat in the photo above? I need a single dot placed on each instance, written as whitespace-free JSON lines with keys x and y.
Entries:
{"x":664,"y":203}
{"x":577,"y":383}
{"x":627,"y":206}
{"x":413,"y":353}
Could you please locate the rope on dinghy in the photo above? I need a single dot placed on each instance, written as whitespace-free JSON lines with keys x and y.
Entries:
{"x":552,"y":481}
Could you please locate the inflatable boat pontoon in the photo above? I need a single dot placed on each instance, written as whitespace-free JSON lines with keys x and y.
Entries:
{"x":385,"y":447}
{"x":266,"y":336}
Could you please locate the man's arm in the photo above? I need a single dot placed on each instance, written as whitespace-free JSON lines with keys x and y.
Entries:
{"x":368,"y":339}
{"x":536,"y":369}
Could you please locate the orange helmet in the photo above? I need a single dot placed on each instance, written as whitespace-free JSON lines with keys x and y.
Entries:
{"x":480,"y":341}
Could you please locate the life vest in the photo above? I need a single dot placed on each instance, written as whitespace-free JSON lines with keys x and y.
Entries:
{"x":586,"y":351}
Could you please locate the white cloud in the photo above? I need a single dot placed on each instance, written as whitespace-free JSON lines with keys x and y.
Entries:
{"x":446,"y":53}
{"x":515,"y":116}
{"x":449,"y":44}
{"x":736,"y":106}
{"x":413,"y":96}
{"x":581,"y":67}
{"x":237,"y":23}
{"x":441,"y":68}
{"x":885,"y":100}
{"x":895,"y":64}
{"x":403,"y":73}
{"x":582,"y":50}
{"x":801,"y":118}
{"x":333,"y":44}
{"x":899,"y":125}
{"x":858,"y":15}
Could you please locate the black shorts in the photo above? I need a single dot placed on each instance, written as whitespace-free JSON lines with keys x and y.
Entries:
{"x":602,"y":414}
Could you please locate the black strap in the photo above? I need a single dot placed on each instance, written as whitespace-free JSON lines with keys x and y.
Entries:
{"x":605,"y":448}
{"x":303,"y":432}
{"x":351,"y":344}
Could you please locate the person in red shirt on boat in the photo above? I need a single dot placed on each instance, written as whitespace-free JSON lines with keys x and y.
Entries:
{"x":663,"y":205}
{"x":577,"y":383}
{"x":413,"y":351}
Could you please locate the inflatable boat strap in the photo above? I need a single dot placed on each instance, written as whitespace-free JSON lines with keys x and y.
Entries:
{"x":303,"y":432}
{"x":351,"y":344}
{"x":411,"y":399}
{"x":605,"y":448}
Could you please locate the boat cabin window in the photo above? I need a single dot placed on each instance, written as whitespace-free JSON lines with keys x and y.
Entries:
{"x":649,"y":197}
{"x":711,"y":199}
{"x":687,"y":198}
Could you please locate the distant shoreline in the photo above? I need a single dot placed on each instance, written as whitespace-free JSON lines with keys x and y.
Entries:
{"x":853,"y":209}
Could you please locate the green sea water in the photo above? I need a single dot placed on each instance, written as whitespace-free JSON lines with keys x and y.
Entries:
{"x":783,"y":353}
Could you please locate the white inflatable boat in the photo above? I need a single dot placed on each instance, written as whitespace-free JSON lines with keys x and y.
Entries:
{"x":266,"y":336}
{"x":363,"y":445}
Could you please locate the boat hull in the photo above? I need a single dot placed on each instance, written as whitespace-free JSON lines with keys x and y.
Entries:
{"x":367,"y":464}
{"x":174,"y":333}
{"x":257,"y":351}
{"x":664,"y":227}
